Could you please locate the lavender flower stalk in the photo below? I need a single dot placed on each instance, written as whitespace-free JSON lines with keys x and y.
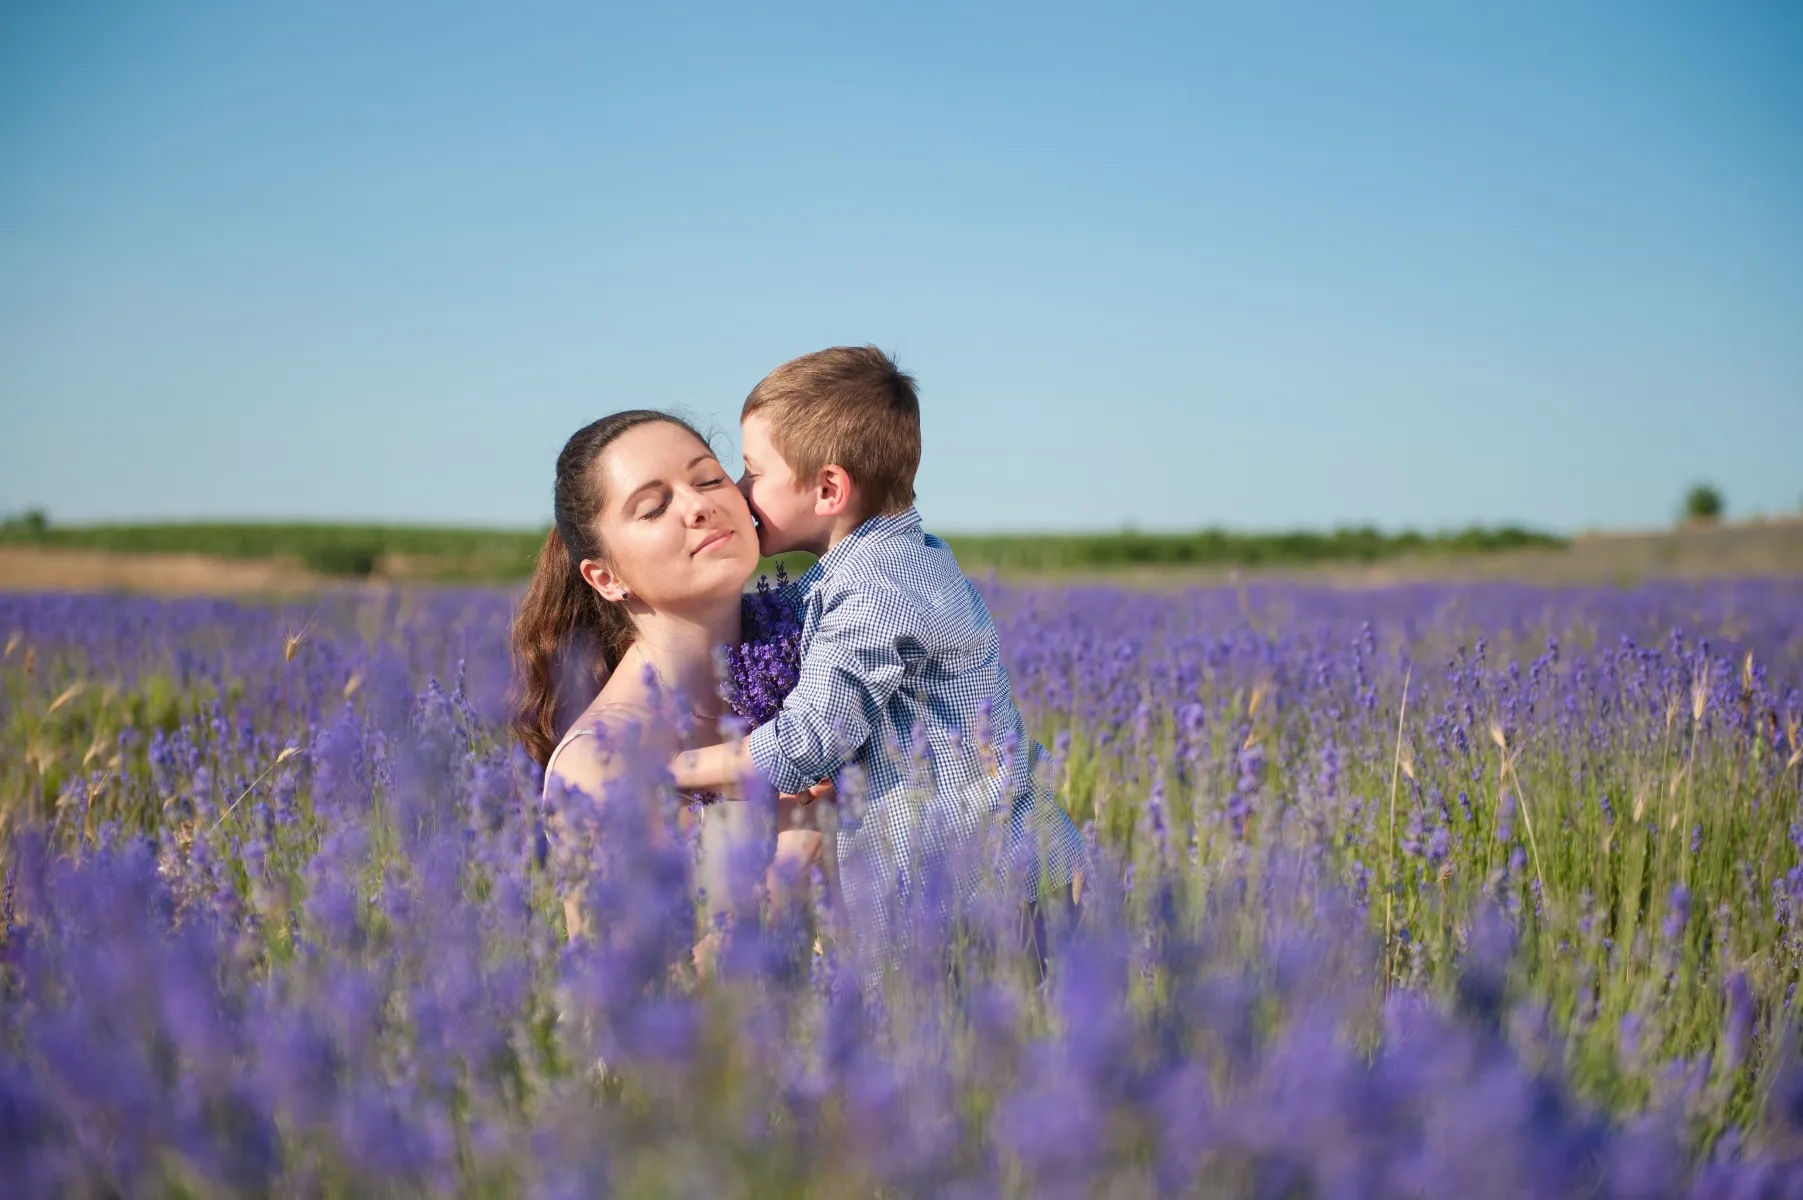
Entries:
{"x":762,"y":669}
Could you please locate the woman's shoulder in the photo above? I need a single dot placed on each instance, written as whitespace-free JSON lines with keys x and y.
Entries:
{"x":613,"y":727}
{"x":610,"y":716}
{"x":604,"y":740}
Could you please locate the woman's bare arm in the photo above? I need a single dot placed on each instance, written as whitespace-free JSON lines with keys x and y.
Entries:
{"x":625,"y":742}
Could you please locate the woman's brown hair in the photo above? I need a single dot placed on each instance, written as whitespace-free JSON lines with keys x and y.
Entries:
{"x":567,"y":639}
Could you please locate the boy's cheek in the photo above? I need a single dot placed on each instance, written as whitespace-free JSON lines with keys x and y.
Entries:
{"x":766,"y":533}
{"x":771,"y":541}
{"x":751,"y":502}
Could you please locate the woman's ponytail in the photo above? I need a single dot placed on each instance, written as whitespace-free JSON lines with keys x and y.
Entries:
{"x":566,"y":638}
{"x":556,"y":634}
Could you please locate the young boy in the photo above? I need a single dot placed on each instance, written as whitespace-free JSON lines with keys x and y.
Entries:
{"x":900,"y":660}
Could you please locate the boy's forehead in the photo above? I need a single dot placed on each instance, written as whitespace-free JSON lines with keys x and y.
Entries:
{"x":754,"y":431}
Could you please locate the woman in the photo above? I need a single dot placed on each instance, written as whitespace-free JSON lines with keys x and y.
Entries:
{"x":636,"y":588}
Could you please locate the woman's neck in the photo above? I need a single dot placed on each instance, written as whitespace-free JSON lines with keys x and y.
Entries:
{"x":680,"y":647}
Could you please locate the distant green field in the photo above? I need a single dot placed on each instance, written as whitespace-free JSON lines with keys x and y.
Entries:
{"x":1221,"y":548}
{"x":348,"y":550}
{"x":491,"y":554}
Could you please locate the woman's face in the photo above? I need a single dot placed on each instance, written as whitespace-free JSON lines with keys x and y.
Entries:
{"x":675,"y":528}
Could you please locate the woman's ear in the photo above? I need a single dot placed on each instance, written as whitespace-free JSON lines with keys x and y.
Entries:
{"x":835,"y":491}
{"x":600,"y":576}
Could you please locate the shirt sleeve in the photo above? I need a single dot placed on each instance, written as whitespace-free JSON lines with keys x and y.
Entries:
{"x":853,"y":665}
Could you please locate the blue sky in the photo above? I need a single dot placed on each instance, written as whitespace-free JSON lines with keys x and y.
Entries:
{"x":1249,"y":265}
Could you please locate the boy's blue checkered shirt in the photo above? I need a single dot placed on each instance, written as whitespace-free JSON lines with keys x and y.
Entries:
{"x":902,"y":681}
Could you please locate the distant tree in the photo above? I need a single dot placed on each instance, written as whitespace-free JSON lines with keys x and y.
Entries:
{"x":354,"y":557}
{"x":30,"y":525}
{"x":1703,"y":503}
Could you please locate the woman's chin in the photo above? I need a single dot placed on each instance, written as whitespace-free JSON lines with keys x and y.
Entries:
{"x":728,"y":571}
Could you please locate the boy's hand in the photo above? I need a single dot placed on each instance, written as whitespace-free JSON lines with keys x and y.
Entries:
{"x":820,"y":791}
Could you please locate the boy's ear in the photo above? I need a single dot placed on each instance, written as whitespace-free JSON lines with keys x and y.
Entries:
{"x":835,"y":491}
{"x":600,"y":576}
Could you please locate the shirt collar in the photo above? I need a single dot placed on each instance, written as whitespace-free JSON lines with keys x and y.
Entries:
{"x":875,"y":529}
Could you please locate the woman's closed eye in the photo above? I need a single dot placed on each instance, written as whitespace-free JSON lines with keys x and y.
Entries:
{"x":663,"y":502}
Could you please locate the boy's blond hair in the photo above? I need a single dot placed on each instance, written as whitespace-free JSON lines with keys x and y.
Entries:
{"x":849,"y":406}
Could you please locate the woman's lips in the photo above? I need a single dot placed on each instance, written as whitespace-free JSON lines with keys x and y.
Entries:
{"x":713,"y":539}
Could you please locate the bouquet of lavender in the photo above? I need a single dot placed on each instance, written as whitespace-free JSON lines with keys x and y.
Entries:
{"x":761,"y":670}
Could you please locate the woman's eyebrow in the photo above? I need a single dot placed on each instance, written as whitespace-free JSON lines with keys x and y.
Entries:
{"x":633,"y":494}
{"x":658,"y":483}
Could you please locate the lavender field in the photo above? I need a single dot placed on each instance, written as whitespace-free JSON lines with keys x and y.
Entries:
{"x":1478,"y":891}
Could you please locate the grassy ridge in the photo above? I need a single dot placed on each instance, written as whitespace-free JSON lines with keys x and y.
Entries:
{"x":328,"y":549}
{"x":493,"y":554}
{"x":1223,"y":548}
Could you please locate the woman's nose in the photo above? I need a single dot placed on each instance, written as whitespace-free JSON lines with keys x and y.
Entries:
{"x":701,"y":507}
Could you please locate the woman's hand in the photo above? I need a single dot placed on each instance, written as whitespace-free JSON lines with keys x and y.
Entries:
{"x":799,"y":842}
{"x":798,"y":836}
{"x":797,"y":850}
{"x":791,"y":870}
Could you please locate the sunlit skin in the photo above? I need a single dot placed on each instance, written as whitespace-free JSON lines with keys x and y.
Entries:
{"x":792,"y":514}
{"x":680,"y":547}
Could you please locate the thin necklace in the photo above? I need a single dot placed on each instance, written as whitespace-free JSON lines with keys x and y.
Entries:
{"x":699,"y":796}
{"x":668,"y":690}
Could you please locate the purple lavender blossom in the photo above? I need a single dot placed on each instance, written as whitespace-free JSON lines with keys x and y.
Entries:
{"x":762,"y":669}
{"x":1677,"y":913}
{"x":359,"y":981}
